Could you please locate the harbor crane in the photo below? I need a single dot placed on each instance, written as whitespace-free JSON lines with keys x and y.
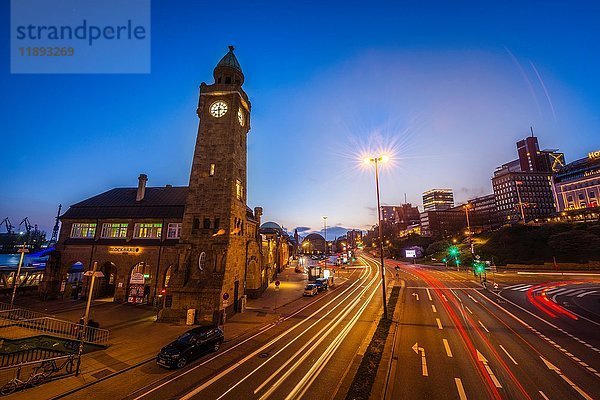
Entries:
{"x":9,"y":226}
{"x":28,"y":225}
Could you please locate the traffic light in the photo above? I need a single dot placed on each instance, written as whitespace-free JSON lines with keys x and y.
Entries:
{"x":453,"y":251}
{"x":478,"y":267}
{"x":443,"y":260}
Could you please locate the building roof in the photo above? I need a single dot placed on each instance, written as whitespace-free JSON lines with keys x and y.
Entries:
{"x":229,"y":60}
{"x":270,"y":225}
{"x":314,"y":236}
{"x":158,"y":202}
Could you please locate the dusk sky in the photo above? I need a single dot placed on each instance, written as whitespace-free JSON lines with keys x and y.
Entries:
{"x":448,"y":88}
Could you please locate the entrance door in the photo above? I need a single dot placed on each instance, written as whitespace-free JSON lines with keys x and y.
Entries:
{"x":106,"y":286}
{"x":138,"y":290}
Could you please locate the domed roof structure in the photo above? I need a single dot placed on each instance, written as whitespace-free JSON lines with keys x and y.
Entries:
{"x":314,"y":236}
{"x":270,"y":225}
{"x":230,"y":60}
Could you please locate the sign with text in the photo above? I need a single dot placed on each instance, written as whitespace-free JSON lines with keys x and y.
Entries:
{"x":123,"y":250}
{"x":410,"y":253}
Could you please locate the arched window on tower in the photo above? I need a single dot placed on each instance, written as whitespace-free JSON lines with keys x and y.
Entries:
{"x":202,"y":261}
{"x":167,"y":277}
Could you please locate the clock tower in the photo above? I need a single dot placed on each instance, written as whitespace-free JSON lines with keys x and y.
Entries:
{"x":218,"y":229}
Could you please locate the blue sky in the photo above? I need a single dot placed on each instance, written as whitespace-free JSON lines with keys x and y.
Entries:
{"x":449,"y":87}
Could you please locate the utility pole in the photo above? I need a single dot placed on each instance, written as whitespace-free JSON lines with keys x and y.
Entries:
{"x":86,"y":317}
{"x":467,"y":206}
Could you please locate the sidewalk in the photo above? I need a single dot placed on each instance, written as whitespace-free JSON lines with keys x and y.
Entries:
{"x":136,"y":337}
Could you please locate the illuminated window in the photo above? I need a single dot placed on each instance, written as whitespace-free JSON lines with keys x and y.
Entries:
{"x":147,"y":231}
{"x":212,"y":170}
{"x":168,"y":276}
{"x":87,"y":231}
{"x":174,"y":231}
{"x":239,"y":190}
{"x":114,"y":231}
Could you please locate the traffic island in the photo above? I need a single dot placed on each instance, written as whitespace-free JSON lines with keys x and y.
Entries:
{"x":363,"y":381}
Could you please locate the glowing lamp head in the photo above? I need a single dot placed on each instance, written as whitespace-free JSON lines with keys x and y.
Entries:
{"x":367,"y":160}
{"x":384,"y":158}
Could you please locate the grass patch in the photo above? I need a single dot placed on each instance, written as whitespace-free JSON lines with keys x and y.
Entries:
{"x":361,"y":386}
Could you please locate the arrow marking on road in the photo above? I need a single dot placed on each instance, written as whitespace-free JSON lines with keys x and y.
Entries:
{"x":481,"y":358}
{"x":416,"y":295}
{"x":447,"y":347}
{"x":418,"y":349}
{"x":554,"y":368}
{"x":461,"y":390}
{"x":428,"y":294}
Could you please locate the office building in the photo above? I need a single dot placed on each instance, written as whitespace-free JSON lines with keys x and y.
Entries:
{"x":438,"y":200}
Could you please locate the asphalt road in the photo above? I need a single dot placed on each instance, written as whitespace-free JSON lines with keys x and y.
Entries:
{"x":528,"y":339}
{"x":307,"y":354}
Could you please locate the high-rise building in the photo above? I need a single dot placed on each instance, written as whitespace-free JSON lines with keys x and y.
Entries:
{"x":523,"y":187}
{"x":438,"y":200}
{"x":354,"y":237}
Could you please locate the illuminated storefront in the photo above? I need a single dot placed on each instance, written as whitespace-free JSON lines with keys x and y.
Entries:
{"x":577,"y":184}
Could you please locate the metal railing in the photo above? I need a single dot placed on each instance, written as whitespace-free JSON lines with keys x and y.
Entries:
{"x":16,"y":377}
{"x":12,"y":320}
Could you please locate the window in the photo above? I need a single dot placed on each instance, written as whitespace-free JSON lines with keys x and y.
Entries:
{"x":212,"y":170}
{"x":217,"y":223}
{"x":147,"y":231}
{"x":239,"y":190}
{"x":174,"y":230}
{"x":87,"y":231}
{"x":592,"y":195}
{"x":202,"y":261}
{"x":206,"y":223}
{"x":168,"y":276}
{"x":114,"y":231}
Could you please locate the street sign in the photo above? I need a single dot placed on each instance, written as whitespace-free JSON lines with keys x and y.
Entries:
{"x":277,"y":283}
{"x":137,"y":279}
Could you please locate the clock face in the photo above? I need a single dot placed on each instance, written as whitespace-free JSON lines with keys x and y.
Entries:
{"x":218,"y":108}
{"x":241,"y":117}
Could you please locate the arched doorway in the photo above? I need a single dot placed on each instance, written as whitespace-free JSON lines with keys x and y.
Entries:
{"x":106,"y":284}
{"x":139,"y":284}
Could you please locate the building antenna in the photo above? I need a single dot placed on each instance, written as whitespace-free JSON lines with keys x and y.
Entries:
{"x":405,"y":198}
{"x":531,"y":129}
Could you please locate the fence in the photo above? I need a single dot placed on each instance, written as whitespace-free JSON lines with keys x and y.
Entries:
{"x":53,"y":368}
{"x":15,"y":322}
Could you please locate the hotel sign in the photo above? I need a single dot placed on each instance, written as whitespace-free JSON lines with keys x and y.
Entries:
{"x":123,"y":250}
{"x":592,"y":155}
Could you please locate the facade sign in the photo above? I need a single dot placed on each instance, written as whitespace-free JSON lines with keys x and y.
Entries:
{"x":123,"y":250}
{"x":411,"y":253}
{"x":592,"y":155}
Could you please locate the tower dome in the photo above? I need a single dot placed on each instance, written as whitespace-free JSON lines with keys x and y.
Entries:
{"x":228,"y":71}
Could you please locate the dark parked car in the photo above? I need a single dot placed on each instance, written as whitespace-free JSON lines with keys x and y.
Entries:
{"x":189,"y":346}
{"x":321,"y":284}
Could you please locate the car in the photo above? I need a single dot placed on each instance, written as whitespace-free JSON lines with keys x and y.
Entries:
{"x":321,"y":284}
{"x":189,"y":346}
{"x":310,"y":290}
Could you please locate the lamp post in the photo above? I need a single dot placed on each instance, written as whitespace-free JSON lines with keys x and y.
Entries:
{"x":467,"y":206}
{"x":517,"y":183}
{"x":22,"y":250}
{"x":83,"y":329}
{"x":325,"y":232}
{"x":377,"y":161}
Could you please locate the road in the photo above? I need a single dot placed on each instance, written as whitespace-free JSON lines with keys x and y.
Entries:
{"x":534,"y":337}
{"x":309,"y":353}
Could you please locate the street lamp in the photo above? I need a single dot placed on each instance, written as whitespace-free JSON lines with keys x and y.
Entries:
{"x":22,"y":250}
{"x":378,"y":160}
{"x":83,"y":329}
{"x":325,"y":231}
{"x":467,"y":207}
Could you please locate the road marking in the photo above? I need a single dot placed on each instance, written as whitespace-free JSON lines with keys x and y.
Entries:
{"x":517,"y":287}
{"x":439,"y":323}
{"x":509,"y":356}
{"x":469,"y":310}
{"x":472,"y":298}
{"x":418,"y":349}
{"x":433,"y":308}
{"x":447,"y":347}
{"x":554,"y":368}
{"x":586,"y":293}
{"x":444,"y":297}
{"x":481,"y":358}
{"x":483,"y":326}
{"x":461,"y":390}
{"x":428,"y":294}
{"x":416,"y":295}
{"x":543,"y":395}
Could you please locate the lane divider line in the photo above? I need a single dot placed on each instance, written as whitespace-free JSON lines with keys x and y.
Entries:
{"x":428,"y":294}
{"x":469,"y":310}
{"x":509,"y":356}
{"x":483,"y":326}
{"x":439,"y":323}
{"x":447,"y":347}
{"x":554,"y":368}
{"x":543,"y":395}
{"x":433,"y":308}
{"x":461,"y":390}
